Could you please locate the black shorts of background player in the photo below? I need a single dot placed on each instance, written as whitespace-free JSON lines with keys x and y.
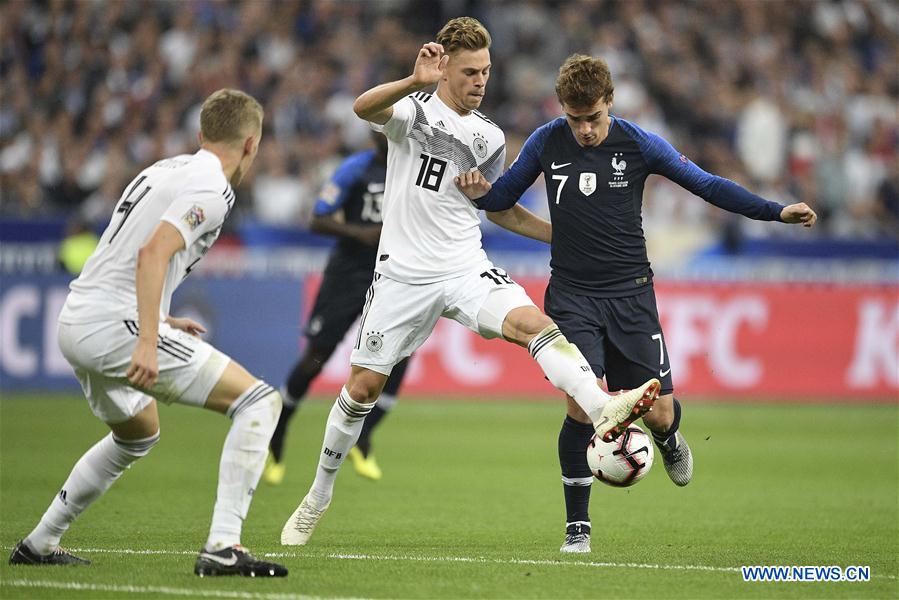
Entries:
{"x":349,"y":208}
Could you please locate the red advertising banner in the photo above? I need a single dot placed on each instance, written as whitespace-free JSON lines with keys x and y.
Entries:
{"x":804,"y":342}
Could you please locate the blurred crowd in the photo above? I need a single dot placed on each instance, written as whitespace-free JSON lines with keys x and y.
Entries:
{"x":796,"y":99}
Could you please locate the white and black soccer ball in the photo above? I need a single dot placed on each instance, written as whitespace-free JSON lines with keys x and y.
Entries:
{"x":625,"y":461}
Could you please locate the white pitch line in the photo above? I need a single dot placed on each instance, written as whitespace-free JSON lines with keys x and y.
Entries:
{"x":524,"y":561}
{"x":510,"y":561}
{"x":457,"y":559}
{"x":151,"y":589}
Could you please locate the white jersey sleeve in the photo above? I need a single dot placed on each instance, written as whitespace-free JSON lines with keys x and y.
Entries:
{"x":197,"y":212}
{"x":400,"y":122}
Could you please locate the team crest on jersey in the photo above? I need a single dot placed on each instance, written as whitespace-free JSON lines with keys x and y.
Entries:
{"x":374,"y":341}
{"x":480,"y":145}
{"x":587,"y":183}
{"x":619,"y":166}
{"x":194,"y":217}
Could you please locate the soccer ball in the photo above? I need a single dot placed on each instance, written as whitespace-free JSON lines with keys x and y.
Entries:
{"x":625,"y":461}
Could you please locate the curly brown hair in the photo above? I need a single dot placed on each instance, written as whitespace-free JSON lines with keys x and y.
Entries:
{"x":463,"y":33}
{"x":228,"y":115}
{"x":583,"y":81}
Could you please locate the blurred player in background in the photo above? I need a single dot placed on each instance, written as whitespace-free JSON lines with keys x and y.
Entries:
{"x":348,"y":208}
{"x":600,"y":292}
{"x":430,"y":262}
{"x":128,"y":352}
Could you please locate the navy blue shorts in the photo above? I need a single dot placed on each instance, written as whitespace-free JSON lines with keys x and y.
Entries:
{"x":340,"y":300}
{"x":621,"y":338}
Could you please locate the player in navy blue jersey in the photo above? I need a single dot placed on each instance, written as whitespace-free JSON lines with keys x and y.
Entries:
{"x":349,"y":208}
{"x":600,"y":292}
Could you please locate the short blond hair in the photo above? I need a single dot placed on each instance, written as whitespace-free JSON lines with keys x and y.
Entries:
{"x":583,"y":81}
{"x":463,"y":33}
{"x":229,"y":116}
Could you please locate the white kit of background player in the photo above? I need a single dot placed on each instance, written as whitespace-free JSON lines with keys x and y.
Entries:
{"x":127,"y":352}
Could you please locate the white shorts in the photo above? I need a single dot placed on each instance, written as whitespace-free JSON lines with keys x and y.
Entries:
{"x":398,"y":317}
{"x":101,"y":352}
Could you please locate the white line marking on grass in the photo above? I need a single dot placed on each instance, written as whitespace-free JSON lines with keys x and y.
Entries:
{"x":458,"y":559}
{"x":130,"y":551}
{"x":151,"y":589}
{"x":509,"y":561}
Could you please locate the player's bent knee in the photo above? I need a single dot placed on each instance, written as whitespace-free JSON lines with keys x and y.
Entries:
{"x":261,"y":398}
{"x":524,"y":323}
{"x":363,"y":392}
{"x":365,"y":385}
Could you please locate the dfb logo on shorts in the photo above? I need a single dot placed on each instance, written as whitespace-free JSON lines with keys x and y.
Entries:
{"x":374,"y":341}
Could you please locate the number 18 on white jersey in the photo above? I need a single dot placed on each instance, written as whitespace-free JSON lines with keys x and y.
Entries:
{"x":431,"y":231}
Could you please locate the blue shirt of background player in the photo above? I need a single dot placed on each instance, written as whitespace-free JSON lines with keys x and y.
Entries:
{"x":595,"y":197}
{"x":357,"y":188}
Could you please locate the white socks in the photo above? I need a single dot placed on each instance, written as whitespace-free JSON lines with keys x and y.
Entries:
{"x":567,"y":369}
{"x":343,"y":428}
{"x":254,"y":415}
{"x":91,"y":476}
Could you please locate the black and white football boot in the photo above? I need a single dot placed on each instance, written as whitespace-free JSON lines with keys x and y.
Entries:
{"x":235,"y":560}
{"x":22,"y":554}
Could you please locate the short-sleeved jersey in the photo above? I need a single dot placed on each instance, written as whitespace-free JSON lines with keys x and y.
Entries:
{"x":595,"y":197}
{"x":191,"y":193}
{"x":431,"y":230}
{"x":356,"y":188}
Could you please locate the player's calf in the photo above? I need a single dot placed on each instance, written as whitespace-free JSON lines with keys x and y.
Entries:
{"x":91,"y":476}
{"x":568,"y":370}
{"x":254,"y":414}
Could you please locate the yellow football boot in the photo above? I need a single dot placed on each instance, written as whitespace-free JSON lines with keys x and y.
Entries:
{"x":367,"y":467}
{"x":273,"y":474}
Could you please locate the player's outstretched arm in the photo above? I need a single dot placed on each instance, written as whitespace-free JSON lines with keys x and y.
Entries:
{"x":152,"y":263}
{"x":376,"y":105}
{"x":520,"y":220}
{"x":799,"y":213}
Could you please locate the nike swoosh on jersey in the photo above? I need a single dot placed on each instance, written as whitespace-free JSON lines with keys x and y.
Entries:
{"x":663,"y":373}
{"x":228,"y":562}
{"x":555,"y":166}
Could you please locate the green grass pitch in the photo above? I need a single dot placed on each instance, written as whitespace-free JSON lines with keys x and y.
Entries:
{"x":471,"y":507}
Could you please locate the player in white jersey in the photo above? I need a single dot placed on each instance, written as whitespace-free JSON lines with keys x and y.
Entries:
{"x":127,"y":352}
{"x":430,"y":261}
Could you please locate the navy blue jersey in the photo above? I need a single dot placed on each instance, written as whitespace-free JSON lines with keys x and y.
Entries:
{"x":357,"y":188}
{"x":595,"y":197}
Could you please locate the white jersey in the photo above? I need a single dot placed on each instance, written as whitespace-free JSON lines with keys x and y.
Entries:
{"x":188,"y":191}
{"x":431,"y":230}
